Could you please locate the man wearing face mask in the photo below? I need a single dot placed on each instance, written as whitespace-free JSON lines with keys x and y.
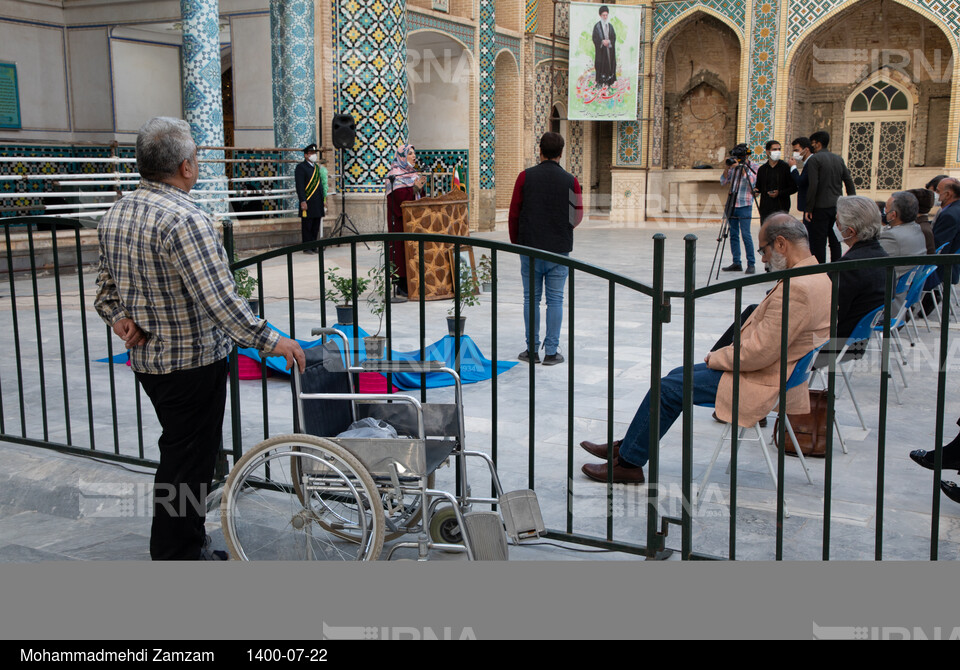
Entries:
{"x":311,"y":181}
{"x":774,"y":183}
{"x":903,"y":236}
{"x":801,"y":153}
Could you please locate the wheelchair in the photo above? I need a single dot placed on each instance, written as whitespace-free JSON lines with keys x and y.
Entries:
{"x":315,"y":496}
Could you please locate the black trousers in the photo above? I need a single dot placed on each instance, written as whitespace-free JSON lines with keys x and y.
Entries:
{"x":310,"y":228}
{"x":820,"y":231}
{"x":189,"y":404}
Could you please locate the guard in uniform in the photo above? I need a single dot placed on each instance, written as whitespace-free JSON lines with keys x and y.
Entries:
{"x":311,"y":180}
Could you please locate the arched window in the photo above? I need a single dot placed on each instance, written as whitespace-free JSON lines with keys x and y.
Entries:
{"x":878,"y":124}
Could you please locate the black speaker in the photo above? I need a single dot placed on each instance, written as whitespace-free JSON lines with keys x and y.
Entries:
{"x":344,"y":131}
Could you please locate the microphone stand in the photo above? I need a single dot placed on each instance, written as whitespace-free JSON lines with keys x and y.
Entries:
{"x":344,"y":222}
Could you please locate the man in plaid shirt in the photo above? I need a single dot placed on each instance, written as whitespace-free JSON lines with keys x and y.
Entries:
{"x":166,"y":289}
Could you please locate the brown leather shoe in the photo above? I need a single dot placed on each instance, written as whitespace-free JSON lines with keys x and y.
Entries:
{"x":600,"y":450}
{"x":621,"y":475}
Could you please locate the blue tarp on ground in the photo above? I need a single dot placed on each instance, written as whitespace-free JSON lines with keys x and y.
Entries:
{"x":474,"y":367}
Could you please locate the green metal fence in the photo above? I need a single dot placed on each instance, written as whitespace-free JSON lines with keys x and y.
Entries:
{"x":53,"y":394}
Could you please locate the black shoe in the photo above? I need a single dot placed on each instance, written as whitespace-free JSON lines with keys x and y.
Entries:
{"x":751,"y":269}
{"x":734,"y":267}
{"x":951,"y":490}
{"x":402,"y":292}
{"x":553,"y":359}
{"x":525,"y":357}
{"x":207,"y":554}
{"x":925,"y":460}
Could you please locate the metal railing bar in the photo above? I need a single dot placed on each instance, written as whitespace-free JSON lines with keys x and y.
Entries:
{"x":63,"y":346}
{"x":781,"y":432}
{"x":86,"y":337}
{"x":686,"y":459}
{"x":735,"y":419}
{"x":884,"y":398}
{"x":656,"y":368}
{"x":16,"y":329}
{"x":36,"y":313}
{"x":611,"y":331}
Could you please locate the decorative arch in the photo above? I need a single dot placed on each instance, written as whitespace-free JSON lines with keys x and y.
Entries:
{"x":661,"y":43}
{"x":796,"y":37}
{"x":508,"y":126}
{"x":946,"y":19}
{"x":439,"y":31}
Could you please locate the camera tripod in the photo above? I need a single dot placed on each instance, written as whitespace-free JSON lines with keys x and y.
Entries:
{"x":741,"y":169}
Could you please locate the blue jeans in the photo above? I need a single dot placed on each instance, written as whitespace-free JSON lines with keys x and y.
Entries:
{"x":740,"y":226}
{"x":636,"y":443}
{"x":553,"y":276}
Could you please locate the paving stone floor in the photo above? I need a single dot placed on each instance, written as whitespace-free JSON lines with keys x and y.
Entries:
{"x":46,"y":497}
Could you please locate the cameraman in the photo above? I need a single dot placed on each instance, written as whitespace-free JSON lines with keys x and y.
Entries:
{"x":741,"y":175}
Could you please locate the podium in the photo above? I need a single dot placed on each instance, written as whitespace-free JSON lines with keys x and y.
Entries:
{"x":442,"y":215}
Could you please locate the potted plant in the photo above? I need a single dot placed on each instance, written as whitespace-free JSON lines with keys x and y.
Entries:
{"x":466,"y":298}
{"x":340,"y":293}
{"x":375,"y":344}
{"x":485,"y":270}
{"x":246,"y":285}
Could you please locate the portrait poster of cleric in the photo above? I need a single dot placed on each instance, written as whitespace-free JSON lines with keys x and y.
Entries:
{"x":604,"y":61}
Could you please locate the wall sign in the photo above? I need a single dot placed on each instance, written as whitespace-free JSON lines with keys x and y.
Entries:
{"x":9,"y":96}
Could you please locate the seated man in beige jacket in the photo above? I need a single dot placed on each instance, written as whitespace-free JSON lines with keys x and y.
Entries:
{"x":783,"y":244}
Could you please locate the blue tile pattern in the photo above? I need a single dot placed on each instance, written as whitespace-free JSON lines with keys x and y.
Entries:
{"x":488,"y":54}
{"x":202,"y":99}
{"x":371,"y":84}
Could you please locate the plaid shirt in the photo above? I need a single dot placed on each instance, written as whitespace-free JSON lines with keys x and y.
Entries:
{"x":745,"y":192}
{"x":162,"y":264}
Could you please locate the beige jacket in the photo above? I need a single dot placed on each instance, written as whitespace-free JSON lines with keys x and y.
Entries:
{"x":809,"y":327}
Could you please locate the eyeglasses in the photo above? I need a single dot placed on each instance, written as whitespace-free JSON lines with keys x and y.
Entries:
{"x":761,"y":249}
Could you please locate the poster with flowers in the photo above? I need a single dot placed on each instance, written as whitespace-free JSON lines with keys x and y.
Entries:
{"x":604,"y":61}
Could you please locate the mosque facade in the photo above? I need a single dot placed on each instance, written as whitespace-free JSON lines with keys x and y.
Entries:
{"x":474,"y":83}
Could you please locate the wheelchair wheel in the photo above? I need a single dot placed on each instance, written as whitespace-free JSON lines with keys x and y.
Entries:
{"x":264,"y":518}
{"x":403,"y":515}
{"x":444,"y":526}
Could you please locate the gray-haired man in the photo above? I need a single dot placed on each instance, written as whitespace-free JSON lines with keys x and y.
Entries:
{"x":166,"y":289}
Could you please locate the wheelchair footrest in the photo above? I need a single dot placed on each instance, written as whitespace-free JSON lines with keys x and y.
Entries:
{"x":521,"y":514}
{"x":486,"y":535}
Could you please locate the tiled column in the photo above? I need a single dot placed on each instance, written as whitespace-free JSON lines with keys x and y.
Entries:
{"x":764,"y":55}
{"x":276,"y":62}
{"x":203,"y":100}
{"x":292,"y":58}
{"x":486,"y":48}
{"x":371,"y":84}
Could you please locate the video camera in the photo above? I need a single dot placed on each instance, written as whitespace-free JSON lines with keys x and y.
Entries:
{"x":738,"y":154}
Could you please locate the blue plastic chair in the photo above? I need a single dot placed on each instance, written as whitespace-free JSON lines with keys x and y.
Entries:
{"x":900,"y":320}
{"x":800,"y":374}
{"x":934,"y":289}
{"x":862,"y":333}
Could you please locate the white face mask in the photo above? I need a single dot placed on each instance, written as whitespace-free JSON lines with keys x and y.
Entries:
{"x":936,"y":199}
{"x":312,"y":158}
{"x":797,"y":156}
{"x":775,"y":155}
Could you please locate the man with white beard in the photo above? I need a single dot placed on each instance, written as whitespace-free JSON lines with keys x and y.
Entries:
{"x":783,"y":244}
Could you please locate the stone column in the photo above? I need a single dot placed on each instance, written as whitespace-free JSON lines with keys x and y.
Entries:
{"x":202,"y":96}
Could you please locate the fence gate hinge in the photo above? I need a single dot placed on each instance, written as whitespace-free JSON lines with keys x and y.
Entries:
{"x":665,"y":310}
